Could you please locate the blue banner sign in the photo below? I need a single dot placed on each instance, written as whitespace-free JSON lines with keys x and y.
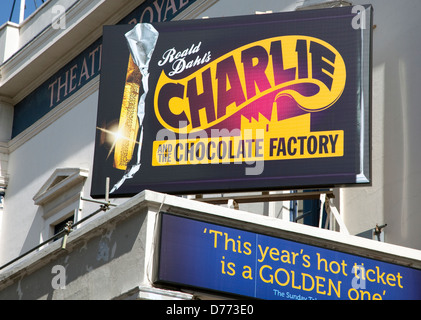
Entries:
{"x":217,"y":258}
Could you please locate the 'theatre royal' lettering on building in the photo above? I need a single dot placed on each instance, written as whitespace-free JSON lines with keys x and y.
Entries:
{"x":86,"y":66}
{"x":78,"y":73}
{"x":75,"y":76}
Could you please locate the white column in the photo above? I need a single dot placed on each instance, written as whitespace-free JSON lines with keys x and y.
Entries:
{"x":6,"y":123}
{"x":6,"y":119}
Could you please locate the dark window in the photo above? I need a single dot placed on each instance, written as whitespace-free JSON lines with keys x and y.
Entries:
{"x":61,"y":225}
{"x":307,"y":211}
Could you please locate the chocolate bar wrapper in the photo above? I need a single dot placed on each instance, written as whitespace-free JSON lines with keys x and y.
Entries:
{"x":128,"y":125}
{"x":141,"y":41}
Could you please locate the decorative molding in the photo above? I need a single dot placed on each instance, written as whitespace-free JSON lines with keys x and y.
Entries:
{"x":58,"y":183}
{"x":84,"y":22}
{"x":69,"y":103}
{"x":44,"y":42}
{"x":52,"y":116}
{"x":195,"y":10}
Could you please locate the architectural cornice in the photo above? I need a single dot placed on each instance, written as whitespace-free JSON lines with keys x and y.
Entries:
{"x":31,"y":65}
{"x":53,"y":115}
{"x":60,"y":181}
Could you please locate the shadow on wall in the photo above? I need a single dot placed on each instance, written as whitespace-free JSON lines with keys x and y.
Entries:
{"x":68,"y":142}
{"x":98,"y":267}
{"x":402,"y":133}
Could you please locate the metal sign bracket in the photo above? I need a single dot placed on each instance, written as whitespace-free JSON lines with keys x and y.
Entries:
{"x":324,"y":196}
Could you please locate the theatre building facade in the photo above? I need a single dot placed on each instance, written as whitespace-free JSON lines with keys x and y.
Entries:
{"x":210,"y":149}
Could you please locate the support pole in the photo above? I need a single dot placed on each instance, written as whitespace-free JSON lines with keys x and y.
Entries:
{"x":322,"y":205}
{"x":331,"y":209}
{"x":338,"y":218}
{"x":107,"y":189}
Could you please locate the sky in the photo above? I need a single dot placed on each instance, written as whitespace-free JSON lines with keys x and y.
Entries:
{"x":6,"y":8}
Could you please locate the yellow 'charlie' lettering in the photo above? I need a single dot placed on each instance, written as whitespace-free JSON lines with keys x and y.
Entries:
{"x":228,"y":84}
